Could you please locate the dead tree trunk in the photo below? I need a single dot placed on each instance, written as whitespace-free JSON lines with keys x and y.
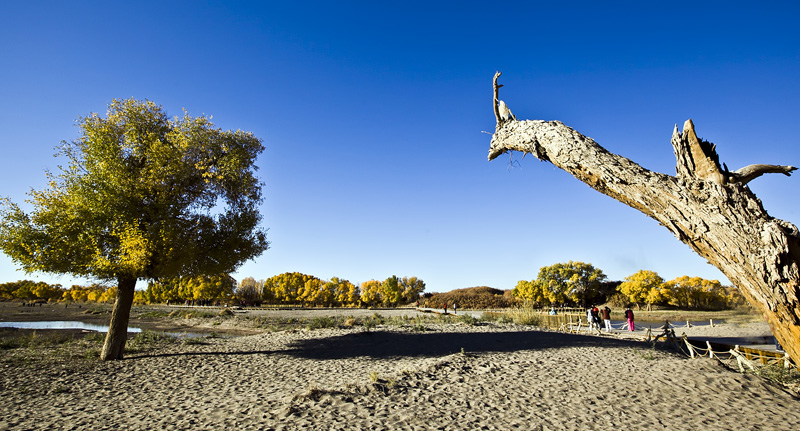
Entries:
{"x":117,"y":335}
{"x":705,"y":206}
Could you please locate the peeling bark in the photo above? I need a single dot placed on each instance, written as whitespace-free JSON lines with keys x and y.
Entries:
{"x":705,"y":206}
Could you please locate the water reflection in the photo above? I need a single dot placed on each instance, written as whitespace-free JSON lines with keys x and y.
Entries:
{"x":74,"y":324}
{"x":61,"y":324}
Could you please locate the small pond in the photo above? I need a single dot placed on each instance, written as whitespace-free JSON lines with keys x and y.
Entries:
{"x":74,"y":324}
{"x":61,"y":324}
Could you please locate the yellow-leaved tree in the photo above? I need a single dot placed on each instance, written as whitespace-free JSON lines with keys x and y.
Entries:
{"x":642,"y":287}
{"x":142,"y":196}
{"x":531,"y":292}
{"x":371,"y":292}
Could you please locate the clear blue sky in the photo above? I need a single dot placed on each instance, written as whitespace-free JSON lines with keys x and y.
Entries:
{"x":374,"y":116}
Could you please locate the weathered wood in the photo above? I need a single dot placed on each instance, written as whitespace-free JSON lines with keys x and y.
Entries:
{"x":705,"y":206}
{"x":496,"y":88}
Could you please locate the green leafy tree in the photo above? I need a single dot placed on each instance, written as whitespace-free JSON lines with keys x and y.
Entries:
{"x":638,"y":287}
{"x":163,"y":291}
{"x":574,"y":282}
{"x":391,"y":292}
{"x":7,"y":289}
{"x":142,"y":197}
{"x":249,"y":290}
{"x":46,"y":291}
{"x":412,"y":288}
{"x":24,"y":290}
{"x":345,"y":293}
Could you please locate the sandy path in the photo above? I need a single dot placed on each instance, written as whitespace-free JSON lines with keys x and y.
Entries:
{"x":509,"y":377}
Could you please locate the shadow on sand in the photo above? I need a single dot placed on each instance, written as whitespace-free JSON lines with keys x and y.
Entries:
{"x":390,"y":344}
{"x":434,"y":344}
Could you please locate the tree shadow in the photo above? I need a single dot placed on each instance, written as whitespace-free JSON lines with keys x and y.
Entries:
{"x":209,"y":353}
{"x":392,"y":344}
{"x":382,"y":345}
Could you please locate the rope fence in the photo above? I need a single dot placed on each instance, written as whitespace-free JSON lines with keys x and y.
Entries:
{"x":745,"y":358}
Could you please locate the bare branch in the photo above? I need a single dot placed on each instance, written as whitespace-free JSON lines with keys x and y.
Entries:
{"x":749,"y":173}
{"x":496,"y":94}
{"x":707,"y":207}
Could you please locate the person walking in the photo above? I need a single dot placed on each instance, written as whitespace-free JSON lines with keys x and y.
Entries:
{"x":606,"y":313}
{"x":629,"y":317}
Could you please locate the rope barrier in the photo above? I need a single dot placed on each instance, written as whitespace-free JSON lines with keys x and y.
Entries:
{"x":735,"y":353}
{"x":692,"y":350}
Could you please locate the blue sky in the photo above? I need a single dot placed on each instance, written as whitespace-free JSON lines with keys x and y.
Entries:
{"x":374,"y":118}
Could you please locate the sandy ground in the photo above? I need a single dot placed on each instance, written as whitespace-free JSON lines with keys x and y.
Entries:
{"x":451,"y":377}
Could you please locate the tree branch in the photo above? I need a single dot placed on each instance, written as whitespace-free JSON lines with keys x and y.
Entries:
{"x":749,"y":173}
{"x":496,"y":96}
{"x":705,"y":206}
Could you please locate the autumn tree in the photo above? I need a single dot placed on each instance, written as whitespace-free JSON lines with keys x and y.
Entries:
{"x":637,"y":287}
{"x":249,"y":290}
{"x":695,"y":292}
{"x":705,"y":205}
{"x":533,"y":292}
{"x":575,"y":282}
{"x":287,"y":288}
{"x":391,"y":292}
{"x":143,"y":196}
{"x":315,"y":291}
{"x":345,"y":293}
{"x":412,"y":288}
{"x":208,"y":287}
{"x":163,"y":291}
{"x":371,"y":292}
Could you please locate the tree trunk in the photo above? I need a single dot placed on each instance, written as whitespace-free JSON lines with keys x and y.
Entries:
{"x":705,"y":206}
{"x":114,"y":346}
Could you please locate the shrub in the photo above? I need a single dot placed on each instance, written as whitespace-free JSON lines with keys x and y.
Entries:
{"x":619,"y":299}
{"x":321,"y":322}
{"x":524,"y":317}
{"x":468,"y":319}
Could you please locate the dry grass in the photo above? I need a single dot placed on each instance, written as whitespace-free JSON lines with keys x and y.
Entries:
{"x":740,"y":315}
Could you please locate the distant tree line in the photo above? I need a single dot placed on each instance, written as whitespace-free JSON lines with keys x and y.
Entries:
{"x":291,"y":288}
{"x":562,"y":284}
{"x":39,"y":291}
{"x":308,"y":290}
{"x":581,"y":284}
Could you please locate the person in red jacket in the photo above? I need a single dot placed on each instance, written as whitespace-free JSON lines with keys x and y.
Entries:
{"x":605,"y":313}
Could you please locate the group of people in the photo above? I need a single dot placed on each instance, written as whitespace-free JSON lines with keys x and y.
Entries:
{"x":595,"y":315}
